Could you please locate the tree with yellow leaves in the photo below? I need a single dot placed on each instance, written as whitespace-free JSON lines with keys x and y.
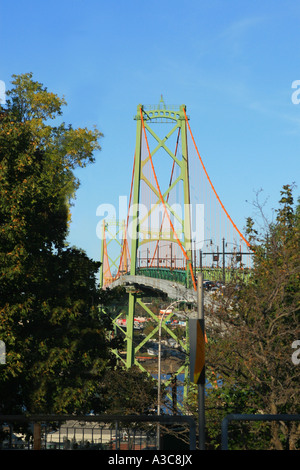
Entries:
{"x":56,"y":345}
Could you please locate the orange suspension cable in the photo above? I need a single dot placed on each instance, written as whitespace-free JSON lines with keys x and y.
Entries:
{"x":212,"y":184}
{"x":131,"y":187}
{"x":171,"y":178}
{"x":163,"y":202}
{"x":125,"y":243}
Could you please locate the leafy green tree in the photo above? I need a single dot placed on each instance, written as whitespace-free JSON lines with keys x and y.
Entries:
{"x":129,"y":391}
{"x":57,"y":347}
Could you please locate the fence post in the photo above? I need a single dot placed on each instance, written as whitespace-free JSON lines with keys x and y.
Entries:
{"x":37,"y":436}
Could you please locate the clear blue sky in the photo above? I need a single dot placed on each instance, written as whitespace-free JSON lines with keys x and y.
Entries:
{"x":232,"y":63}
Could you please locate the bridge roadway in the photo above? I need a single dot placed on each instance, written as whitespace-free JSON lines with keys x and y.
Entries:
{"x":173,"y":290}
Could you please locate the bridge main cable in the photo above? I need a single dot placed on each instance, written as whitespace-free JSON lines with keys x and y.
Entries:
{"x":164,"y":205}
{"x":212,"y":186}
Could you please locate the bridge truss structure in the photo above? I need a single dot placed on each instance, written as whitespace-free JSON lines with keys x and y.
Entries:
{"x":176,"y":225}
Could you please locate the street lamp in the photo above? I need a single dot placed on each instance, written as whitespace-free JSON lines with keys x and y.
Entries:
{"x":238,"y":254}
{"x":201,"y":253}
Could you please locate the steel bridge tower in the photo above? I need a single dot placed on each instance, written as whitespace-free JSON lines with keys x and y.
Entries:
{"x":177,"y":221}
{"x":169,"y":180}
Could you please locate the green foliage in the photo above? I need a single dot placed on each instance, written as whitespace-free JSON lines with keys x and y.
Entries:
{"x":249,"y":365}
{"x":254,"y":329}
{"x":57,"y":347}
{"x":129,"y":391}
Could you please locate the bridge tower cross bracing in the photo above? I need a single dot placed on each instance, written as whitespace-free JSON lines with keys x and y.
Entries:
{"x":146,"y":117}
{"x":175,"y":230}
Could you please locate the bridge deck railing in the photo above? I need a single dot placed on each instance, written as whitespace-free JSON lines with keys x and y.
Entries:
{"x":209,"y":273}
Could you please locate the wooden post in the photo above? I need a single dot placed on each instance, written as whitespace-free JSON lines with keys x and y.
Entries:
{"x":37,"y":436}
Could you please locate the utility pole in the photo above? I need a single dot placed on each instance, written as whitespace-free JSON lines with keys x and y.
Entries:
{"x":201,"y":385}
{"x":159,"y":381}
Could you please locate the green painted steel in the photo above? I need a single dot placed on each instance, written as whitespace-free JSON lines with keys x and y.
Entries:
{"x":186,"y":191}
{"x":175,"y":116}
{"x":134,"y":242}
{"x":180,"y":276}
{"x":151,"y":114}
{"x":116,"y":231}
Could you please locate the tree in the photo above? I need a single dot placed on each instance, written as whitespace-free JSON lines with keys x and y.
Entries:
{"x":253,"y":331}
{"x":57,"y":347}
{"x":129,"y":391}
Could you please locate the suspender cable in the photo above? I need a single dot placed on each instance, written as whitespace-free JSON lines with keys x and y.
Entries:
{"x":248,"y":244}
{"x":163,"y":203}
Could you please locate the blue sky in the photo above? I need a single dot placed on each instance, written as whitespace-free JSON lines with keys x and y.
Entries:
{"x":232,"y":63}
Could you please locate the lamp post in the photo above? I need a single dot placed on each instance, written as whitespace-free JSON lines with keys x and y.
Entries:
{"x":238,"y":254}
{"x":201,"y":387}
{"x":201,"y":253}
{"x":159,"y":372}
{"x":159,"y":381}
{"x":159,"y":378}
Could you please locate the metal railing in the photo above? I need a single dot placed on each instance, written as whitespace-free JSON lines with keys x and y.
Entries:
{"x":252,"y":417}
{"x":104,"y":432}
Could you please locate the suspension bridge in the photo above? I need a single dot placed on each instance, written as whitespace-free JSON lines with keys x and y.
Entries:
{"x":176,"y":224}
